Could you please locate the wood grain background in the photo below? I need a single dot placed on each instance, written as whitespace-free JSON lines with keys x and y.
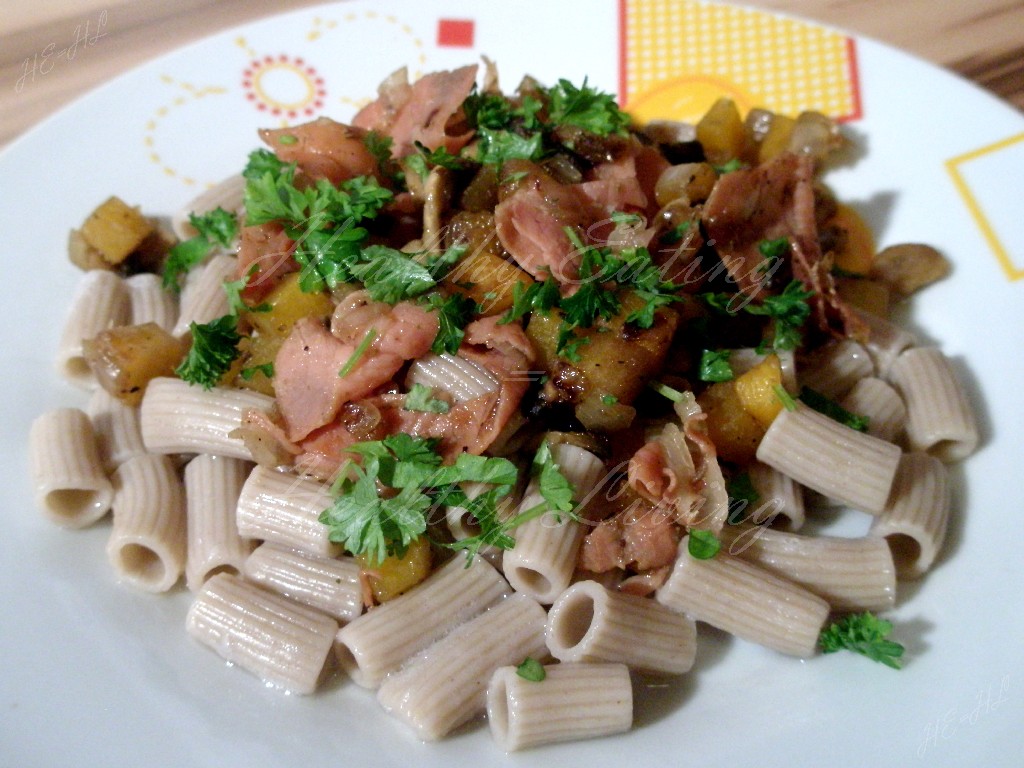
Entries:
{"x":983,"y":40}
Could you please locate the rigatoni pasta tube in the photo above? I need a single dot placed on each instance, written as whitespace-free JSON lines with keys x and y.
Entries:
{"x":852,"y":574}
{"x":177,"y":417}
{"x":203,"y":297}
{"x":836,"y":367}
{"x":118,"y":429}
{"x":380,"y":641}
{"x":284,"y":508}
{"x":445,"y":685}
{"x":914,"y":521}
{"x":831,"y":458}
{"x":590,"y":623}
{"x":70,"y":482}
{"x":574,"y":701}
{"x":150,"y":302}
{"x":778,"y":496}
{"x":101,"y":302}
{"x":542,"y":562}
{"x":733,"y":595}
{"x":329,"y":584}
{"x":147,"y":543}
{"x":881,"y":405}
{"x":212,"y":487}
{"x":940,"y":419}
{"x":280,"y":641}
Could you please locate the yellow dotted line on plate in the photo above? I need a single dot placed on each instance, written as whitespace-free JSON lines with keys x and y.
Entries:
{"x":149,"y":140}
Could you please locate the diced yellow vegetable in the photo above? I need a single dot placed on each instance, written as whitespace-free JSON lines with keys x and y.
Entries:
{"x":616,"y":362}
{"x":721,"y":132}
{"x":734,"y":431}
{"x":756,"y":390}
{"x":288,"y":304}
{"x":115,"y":229}
{"x":127,"y":357}
{"x":776,"y":141}
{"x":857,"y":246}
{"x":487,"y":279}
{"x":83,"y":255}
{"x":397,"y":574}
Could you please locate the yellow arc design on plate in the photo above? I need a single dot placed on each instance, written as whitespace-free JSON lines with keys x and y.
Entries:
{"x":681,"y":56}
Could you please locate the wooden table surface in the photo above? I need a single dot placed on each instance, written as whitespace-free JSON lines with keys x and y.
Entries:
{"x":982,"y":40}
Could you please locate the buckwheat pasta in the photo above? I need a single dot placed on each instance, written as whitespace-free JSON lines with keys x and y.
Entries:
{"x":778,"y":497}
{"x":544,"y":558}
{"x":915,"y":520}
{"x":203,"y":298}
{"x":940,"y":419}
{"x":380,"y":641}
{"x":149,"y":302}
{"x":284,"y":508}
{"x":101,"y":301}
{"x":70,"y":483}
{"x":445,"y":685}
{"x":836,"y":367}
{"x":147,"y":544}
{"x":882,"y":405}
{"x":831,"y":458}
{"x":886,"y":341}
{"x":329,"y":584}
{"x":462,"y":379}
{"x":178,"y":418}
{"x":276,"y":639}
{"x":117,"y":427}
{"x":744,"y":600}
{"x":212,"y":487}
{"x":574,"y":701}
{"x":852,"y":574}
{"x":589,"y":623}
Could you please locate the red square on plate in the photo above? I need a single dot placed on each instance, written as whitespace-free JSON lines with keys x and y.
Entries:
{"x":455,"y":33}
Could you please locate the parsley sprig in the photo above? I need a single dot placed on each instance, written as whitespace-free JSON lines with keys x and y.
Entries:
{"x":557,"y":495}
{"x":863,"y":633}
{"x":217,"y":227}
{"x":382,"y":503}
{"x":788,"y":311}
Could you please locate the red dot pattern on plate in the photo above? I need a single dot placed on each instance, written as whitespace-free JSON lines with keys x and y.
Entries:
{"x":284,"y":86}
{"x":455,"y":33}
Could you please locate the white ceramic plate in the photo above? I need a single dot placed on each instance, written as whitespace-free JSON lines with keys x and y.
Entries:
{"x":94,"y":674}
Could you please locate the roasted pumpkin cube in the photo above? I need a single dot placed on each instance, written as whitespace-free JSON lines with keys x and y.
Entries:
{"x":396,"y":575}
{"x":756,"y":390}
{"x":721,"y":132}
{"x":115,"y":230}
{"x":125,"y":358}
{"x":776,"y":140}
{"x":734,"y":431}
{"x":487,"y":279}
{"x":855,"y":250}
{"x":287,"y":304}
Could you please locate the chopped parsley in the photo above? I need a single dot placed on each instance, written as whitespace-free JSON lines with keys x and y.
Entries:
{"x":742,"y":496}
{"x":788,"y":311}
{"x":702,"y":545}
{"x":714,"y":366}
{"x":357,"y":353}
{"x":556,"y":493}
{"x":214,"y":349}
{"x":217,"y":227}
{"x":413,"y":479}
{"x":421,"y":398}
{"x":833,"y":410}
{"x":666,"y":391}
{"x":784,"y":397}
{"x":531,"y":670}
{"x":454,"y":313}
{"x":585,"y":107}
{"x":267,"y":369}
{"x":609,"y":399}
{"x":863,"y":633}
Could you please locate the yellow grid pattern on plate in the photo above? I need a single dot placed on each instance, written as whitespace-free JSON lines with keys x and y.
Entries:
{"x":680,"y":55}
